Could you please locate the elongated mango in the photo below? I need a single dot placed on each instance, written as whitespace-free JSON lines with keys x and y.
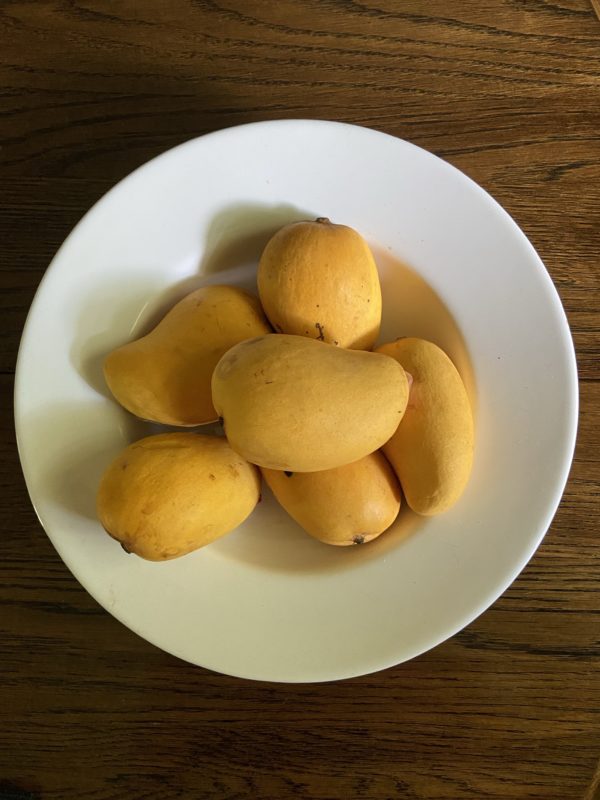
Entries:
{"x":292,"y":403}
{"x":432,"y":450}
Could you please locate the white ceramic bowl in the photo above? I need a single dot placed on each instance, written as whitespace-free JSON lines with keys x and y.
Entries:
{"x":267,"y":601}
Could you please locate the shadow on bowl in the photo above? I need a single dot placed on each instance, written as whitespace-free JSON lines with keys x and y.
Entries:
{"x":238,"y":234}
{"x":76,"y":443}
{"x":411,"y":307}
{"x":118,"y":313}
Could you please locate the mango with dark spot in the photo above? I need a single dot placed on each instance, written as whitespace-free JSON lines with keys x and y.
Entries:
{"x":319,"y":265}
{"x":180,"y":492}
{"x":347,"y":505}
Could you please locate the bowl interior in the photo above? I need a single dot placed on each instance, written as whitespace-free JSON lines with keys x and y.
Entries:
{"x":268,"y":601}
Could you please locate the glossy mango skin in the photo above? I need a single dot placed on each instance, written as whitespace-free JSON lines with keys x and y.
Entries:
{"x":320,"y":280}
{"x":165,"y":376}
{"x":167,"y":495}
{"x":432,"y":450}
{"x":347,"y":505}
{"x":293,"y":403}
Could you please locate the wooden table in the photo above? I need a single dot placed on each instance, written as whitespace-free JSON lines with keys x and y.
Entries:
{"x":509,"y":92}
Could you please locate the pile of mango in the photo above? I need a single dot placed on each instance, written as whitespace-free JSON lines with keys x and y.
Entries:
{"x":338,"y":431}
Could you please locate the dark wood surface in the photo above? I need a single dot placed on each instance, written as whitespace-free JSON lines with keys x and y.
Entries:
{"x":509,"y":92}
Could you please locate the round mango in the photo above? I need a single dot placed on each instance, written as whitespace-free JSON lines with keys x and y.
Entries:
{"x":320,"y":280}
{"x":292,"y":403}
{"x":167,"y":495}
{"x":343,"y":506}
{"x":432,"y":450}
{"x":165,"y":376}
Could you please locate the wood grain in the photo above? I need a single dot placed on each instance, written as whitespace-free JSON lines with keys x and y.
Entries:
{"x":508,"y":92}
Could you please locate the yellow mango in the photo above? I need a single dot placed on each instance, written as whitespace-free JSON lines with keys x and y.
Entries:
{"x":292,"y":403}
{"x":165,"y":376}
{"x":320,"y":280}
{"x":167,"y":495}
{"x":347,"y":505}
{"x":432,"y":450}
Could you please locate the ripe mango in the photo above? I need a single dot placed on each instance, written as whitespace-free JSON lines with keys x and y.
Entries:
{"x":432,"y":450}
{"x":292,"y":403}
{"x":167,"y":495}
{"x":320,"y":280}
{"x":165,"y":376}
{"x":347,"y":505}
